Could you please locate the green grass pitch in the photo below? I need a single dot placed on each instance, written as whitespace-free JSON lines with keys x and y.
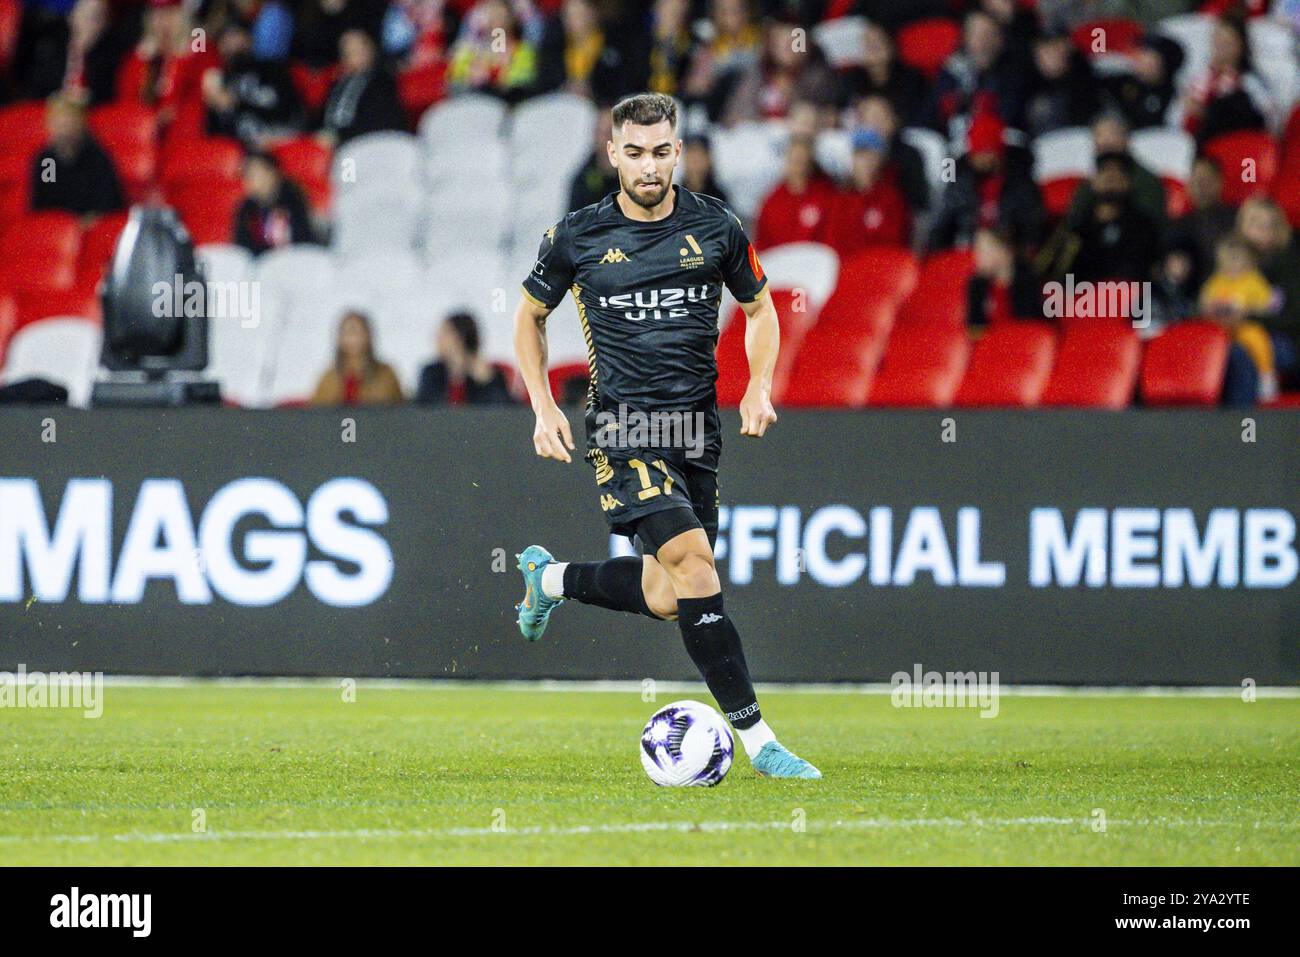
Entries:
{"x":493,"y":775}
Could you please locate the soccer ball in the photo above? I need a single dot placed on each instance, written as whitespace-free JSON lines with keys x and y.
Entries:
{"x":686,"y":744}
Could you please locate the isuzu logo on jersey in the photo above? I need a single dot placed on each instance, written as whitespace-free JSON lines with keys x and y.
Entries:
{"x":655,"y":303}
{"x":162,"y":541}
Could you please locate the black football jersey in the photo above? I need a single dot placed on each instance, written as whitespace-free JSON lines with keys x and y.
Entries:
{"x":648,"y":296}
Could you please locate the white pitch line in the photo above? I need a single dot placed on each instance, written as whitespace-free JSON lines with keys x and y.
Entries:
{"x":647,"y":827}
{"x":679,"y":687}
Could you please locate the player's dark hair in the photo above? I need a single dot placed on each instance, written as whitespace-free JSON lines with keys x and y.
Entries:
{"x":466,"y":329}
{"x":645,"y":109}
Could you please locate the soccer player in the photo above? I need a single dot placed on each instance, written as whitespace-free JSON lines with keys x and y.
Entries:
{"x":646,"y":266}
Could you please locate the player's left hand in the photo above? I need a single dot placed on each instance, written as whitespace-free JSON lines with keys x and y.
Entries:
{"x":756,"y":412}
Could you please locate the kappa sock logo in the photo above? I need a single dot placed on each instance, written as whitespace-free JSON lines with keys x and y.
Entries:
{"x":708,"y":618}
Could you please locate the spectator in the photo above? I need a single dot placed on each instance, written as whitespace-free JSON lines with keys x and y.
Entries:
{"x":883,"y":74}
{"x":576,"y":57}
{"x":697,"y":167}
{"x":798,"y":210}
{"x":269,"y":24}
{"x":1002,"y":287}
{"x":78,"y":56}
{"x":735,"y":44}
{"x":1063,"y":89}
{"x":1110,"y":134}
{"x":357,"y":377}
{"x":73,"y":173}
{"x":492,"y":55}
{"x":993,"y":189}
{"x":1067,"y":15}
{"x":319,"y":26}
{"x":871,"y":210}
{"x":981,"y":77}
{"x":250,"y":99}
{"x":876,"y":112}
{"x":598,"y":177}
{"x":1199,"y":230}
{"x":364,"y":98}
{"x":1113,"y":239}
{"x":274,"y":212}
{"x":1143,"y":96}
{"x":1262,"y":224}
{"x":165,"y":70}
{"x":415,"y":31}
{"x":1229,"y":96}
{"x":1236,"y":291}
{"x":671,"y":46}
{"x":785,"y":72}
{"x":460,"y":375}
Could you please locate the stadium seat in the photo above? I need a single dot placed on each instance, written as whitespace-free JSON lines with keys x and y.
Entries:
{"x":838,"y":355}
{"x":560,"y":376}
{"x":463,"y":139}
{"x":490,"y":210}
{"x":302,"y":345}
{"x":1058,"y":193}
{"x":11,"y":17}
{"x":208,"y":209}
{"x":1184,"y":365}
{"x":810,"y":267}
{"x":733,"y":363}
{"x":97,"y":245}
{"x":419,"y":88}
{"x":313,"y":86}
{"x":305,"y":161}
{"x":1193,"y":32}
{"x":1272,"y":48}
{"x":378,"y":163}
{"x":922,"y":367}
{"x":1096,"y":366}
{"x":1241,"y":153}
{"x":15,"y":183}
{"x":881,"y":273}
{"x":550,"y":137}
{"x":224,"y":262}
{"x":1099,"y":37}
{"x":926,"y":44}
{"x":1009,"y":366}
{"x":1062,"y":153}
{"x":1165,"y":151}
{"x":747,"y":161}
{"x":833,"y":151}
{"x":63,"y":350}
{"x":128,"y":132}
{"x":38,"y":251}
{"x":940,"y":296}
{"x":202,"y":161}
{"x":375,"y":220}
{"x":22,"y":128}
{"x":840,"y":40}
{"x":934,"y":150}
{"x":1177,"y":201}
{"x":238,"y":348}
{"x":8,"y":324}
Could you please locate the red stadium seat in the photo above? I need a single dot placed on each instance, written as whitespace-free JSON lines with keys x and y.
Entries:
{"x":882,"y":273}
{"x":561,"y":375}
{"x":923,"y":366}
{"x":307,"y":163}
{"x":733,"y":363}
{"x":1096,"y":366}
{"x":1184,"y":365}
{"x":22,"y":128}
{"x":1115,"y":36}
{"x":8,"y":323}
{"x":97,"y":244}
{"x":1247,"y":160}
{"x":313,"y":85}
{"x":38,"y":251}
{"x":1177,"y":202}
{"x":15,"y":184}
{"x":926,"y":44}
{"x":11,"y":18}
{"x":420,"y":88}
{"x":1009,"y":366}
{"x":34,"y":305}
{"x":208,"y":210}
{"x":1058,"y":193}
{"x":940,"y":296}
{"x":128,"y":132}
{"x":201,"y":161}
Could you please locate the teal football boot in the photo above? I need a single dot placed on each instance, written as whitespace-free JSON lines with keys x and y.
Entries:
{"x":774,"y":761}
{"x":535,"y":610}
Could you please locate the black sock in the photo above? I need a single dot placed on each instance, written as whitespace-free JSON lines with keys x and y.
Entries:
{"x":714,"y":645}
{"x":614,"y":584}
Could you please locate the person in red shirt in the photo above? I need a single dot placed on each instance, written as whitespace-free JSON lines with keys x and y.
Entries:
{"x":870,"y":210}
{"x":797,"y":210}
{"x":166,"y":69}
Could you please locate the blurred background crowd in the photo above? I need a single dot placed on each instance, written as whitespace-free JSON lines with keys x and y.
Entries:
{"x":917,"y":173}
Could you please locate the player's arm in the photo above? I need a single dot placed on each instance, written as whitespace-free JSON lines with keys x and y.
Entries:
{"x":551,"y":434}
{"x":762,"y":342}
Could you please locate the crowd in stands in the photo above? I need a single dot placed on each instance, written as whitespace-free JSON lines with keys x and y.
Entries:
{"x":996,"y":143}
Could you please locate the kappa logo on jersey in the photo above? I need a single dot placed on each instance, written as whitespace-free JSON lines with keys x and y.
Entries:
{"x":655,"y":303}
{"x":614,"y":256}
{"x":608,"y":502}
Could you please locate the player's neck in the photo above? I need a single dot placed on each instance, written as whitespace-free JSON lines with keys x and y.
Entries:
{"x":634,"y":210}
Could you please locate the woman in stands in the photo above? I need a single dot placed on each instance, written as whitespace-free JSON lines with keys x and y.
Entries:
{"x":357,"y":376}
{"x":1229,"y":96}
{"x":164,"y":70}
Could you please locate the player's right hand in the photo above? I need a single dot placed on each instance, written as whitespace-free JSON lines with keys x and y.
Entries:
{"x":551,"y":435}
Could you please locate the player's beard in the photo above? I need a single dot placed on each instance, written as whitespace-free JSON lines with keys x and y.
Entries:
{"x":647,"y":200}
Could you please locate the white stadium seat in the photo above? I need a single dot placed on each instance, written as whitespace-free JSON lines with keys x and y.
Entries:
{"x":550,"y":138}
{"x":466,"y":219}
{"x":1192,"y":31}
{"x":239,"y":358}
{"x":841,"y":40}
{"x":63,"y":350}
{"x":934,"y":150}
{"x":224,"y":262}
{"x":378,"y":162}
{"x":1066,"y":152}
{"x":464,"y":138}
{"x":811,"y":267}
{"x":833,"y":150}
{"x":376,"y":220}
{"x":1164,"y":151}
{"x":747,"y":160}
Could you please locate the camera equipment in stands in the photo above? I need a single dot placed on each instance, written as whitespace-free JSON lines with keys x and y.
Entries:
{"x":155,"y":317}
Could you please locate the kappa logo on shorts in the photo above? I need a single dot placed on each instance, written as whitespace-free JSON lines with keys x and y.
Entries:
{"x":608,"y":502}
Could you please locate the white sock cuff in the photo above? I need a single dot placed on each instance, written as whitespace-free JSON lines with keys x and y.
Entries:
{"x":753,"y":738}
{"x":553,"y":579}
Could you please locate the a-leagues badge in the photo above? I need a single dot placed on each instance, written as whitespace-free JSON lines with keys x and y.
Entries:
{"x":692,"y":257}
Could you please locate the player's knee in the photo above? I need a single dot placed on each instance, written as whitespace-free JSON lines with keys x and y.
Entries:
{"x":694,"y":575}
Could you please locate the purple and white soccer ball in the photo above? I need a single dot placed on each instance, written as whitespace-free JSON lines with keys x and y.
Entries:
{"x":686,"y":744}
